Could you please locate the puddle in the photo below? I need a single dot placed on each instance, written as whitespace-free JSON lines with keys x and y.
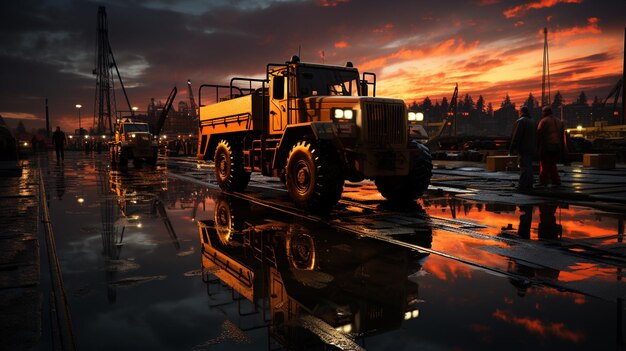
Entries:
{"x":441,"y":276}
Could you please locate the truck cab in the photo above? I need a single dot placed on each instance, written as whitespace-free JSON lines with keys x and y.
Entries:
{"x":133,"y":140}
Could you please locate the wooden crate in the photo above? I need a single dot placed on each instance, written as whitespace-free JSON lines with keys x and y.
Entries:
{"x":601,"y":161}
{"x":501,"y":163}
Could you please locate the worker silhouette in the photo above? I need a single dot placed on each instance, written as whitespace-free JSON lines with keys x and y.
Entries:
{"x":523,"y":143}
{"x":525,"y":221}
{"x":548,"y":227}
{"x":58,"y":138}
{"x":551,"y":147}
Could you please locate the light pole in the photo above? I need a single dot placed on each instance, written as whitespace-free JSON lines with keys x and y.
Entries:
{"x":80,"y":129}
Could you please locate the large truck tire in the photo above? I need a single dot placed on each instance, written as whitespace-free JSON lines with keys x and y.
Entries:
{"x":313,"y":177}
{"x":403,"y":189}
{"x":229,"y":171}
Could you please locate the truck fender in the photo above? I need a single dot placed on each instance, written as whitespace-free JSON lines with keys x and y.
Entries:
{"x":313,"y":131}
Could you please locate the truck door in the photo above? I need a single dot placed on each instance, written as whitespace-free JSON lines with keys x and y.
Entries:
{"x":278,"y":104}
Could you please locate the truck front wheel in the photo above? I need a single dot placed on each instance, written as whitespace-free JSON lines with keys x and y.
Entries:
{"x":313,"y":177}
{"x":402,"y":189}
{"x":229,"y":171}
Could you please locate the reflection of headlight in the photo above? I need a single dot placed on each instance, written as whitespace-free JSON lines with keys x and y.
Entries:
{"x":411,"y":314}
{"x":345,"y":328}
{"x":341,"y":113}
{"x":416,"y":116}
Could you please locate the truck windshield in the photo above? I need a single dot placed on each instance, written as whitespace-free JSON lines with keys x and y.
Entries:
{"x":314,"y":81}
{"x":135,"y":127}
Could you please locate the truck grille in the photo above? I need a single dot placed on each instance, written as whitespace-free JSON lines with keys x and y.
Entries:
{"x":385,"y":123}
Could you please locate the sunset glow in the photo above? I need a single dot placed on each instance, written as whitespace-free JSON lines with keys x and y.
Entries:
{"x":488,"y":47}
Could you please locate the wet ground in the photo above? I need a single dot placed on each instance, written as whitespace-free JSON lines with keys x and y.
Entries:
{"x":456,"y":271}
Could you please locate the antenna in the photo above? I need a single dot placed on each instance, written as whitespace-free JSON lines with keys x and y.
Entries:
{"x":545,"y":100}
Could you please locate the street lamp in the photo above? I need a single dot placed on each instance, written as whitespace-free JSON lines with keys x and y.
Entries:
{"x":134,"y":108}
{"x":80,"y":129}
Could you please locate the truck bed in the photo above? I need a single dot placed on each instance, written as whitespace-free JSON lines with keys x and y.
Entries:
{"x":235,"y":115}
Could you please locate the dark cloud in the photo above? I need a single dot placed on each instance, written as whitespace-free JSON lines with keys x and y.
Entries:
{"x":47,"y":48}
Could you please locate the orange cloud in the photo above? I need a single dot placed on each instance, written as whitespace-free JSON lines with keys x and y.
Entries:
{"x":453,"y":46}
{"x":521,"y":10}
{"x":19,"y":115}
{"x":543,"y":329}
{"x":342,"y":44}
{"x":590,"y":28}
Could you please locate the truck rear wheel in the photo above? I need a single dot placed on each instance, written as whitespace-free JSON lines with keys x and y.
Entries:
{"x":313,"y":177}
{"x":229,"y":171}
{"x":403,"y":189}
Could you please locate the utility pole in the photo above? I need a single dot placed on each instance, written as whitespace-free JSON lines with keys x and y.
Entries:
{"x":47,"y":120}
{"x":545,"y":99}
{"x":624,"y":82}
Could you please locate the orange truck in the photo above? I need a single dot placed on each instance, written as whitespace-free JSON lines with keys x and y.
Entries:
{"x":314,"y":126}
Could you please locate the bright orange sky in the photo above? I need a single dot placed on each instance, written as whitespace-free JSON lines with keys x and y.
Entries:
{"x":417,"y":48}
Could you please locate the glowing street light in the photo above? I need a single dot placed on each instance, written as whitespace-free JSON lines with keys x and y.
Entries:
{"x":579,"y":128}
{"x":80,"y":129}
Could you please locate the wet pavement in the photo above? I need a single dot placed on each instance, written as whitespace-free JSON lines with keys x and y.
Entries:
{"x":161,"y":259}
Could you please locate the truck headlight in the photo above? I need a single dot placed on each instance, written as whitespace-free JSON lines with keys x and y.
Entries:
{"x":343,"y":113}
{"x":416,"y":116}
{"x":132,"y":135}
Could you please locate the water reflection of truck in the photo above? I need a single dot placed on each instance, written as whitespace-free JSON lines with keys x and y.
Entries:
{"x":313,"y":126}
{"x":315,"y":281}
{"x":126,"y":204}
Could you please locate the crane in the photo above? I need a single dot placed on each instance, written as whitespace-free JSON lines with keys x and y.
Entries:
{"x":166,"y":110}
{"x":615,"y":93}
{"x":193,"y":108}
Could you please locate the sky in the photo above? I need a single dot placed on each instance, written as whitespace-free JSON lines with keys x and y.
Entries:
{"x":416,"y":48}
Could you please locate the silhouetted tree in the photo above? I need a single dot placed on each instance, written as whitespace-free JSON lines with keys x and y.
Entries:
{"x":468,"y":103}
{"x":444,"y":105}
{"x":531,"y":102}
{"x":413,"y":106}
{"x":582,"y":99}
{"x":596,"y":101}
{"x":480,"y":104}
{"x":427,"y":105}
{"x":558,"y":99}
{"x":490,"y":109}
{"x":507,"y":102}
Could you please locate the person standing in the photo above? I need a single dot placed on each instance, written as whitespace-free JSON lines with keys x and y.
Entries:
{"x":58,"y":137}
{"x":523,"y":143}
{"x":551,"y":146}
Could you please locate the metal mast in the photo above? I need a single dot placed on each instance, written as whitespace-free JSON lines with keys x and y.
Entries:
{"x":545,"y":99}
{"x":193,"y":108}
{"x":104,"y":105}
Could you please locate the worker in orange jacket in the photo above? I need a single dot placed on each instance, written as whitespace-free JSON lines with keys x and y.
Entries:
{"x":551,"y":146}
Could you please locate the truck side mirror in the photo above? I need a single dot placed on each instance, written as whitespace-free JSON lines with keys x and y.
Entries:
{"x":364,"y":87}
{"x":278,"y":91}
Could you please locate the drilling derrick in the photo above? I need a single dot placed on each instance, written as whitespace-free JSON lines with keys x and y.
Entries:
{"x":545,"y":98}
{"x":104,"y":104}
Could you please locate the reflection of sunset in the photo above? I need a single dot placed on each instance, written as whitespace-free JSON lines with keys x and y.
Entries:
{"x":540,"y":328}
{"x":583,"y":271}
{"x":577,"y":222}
